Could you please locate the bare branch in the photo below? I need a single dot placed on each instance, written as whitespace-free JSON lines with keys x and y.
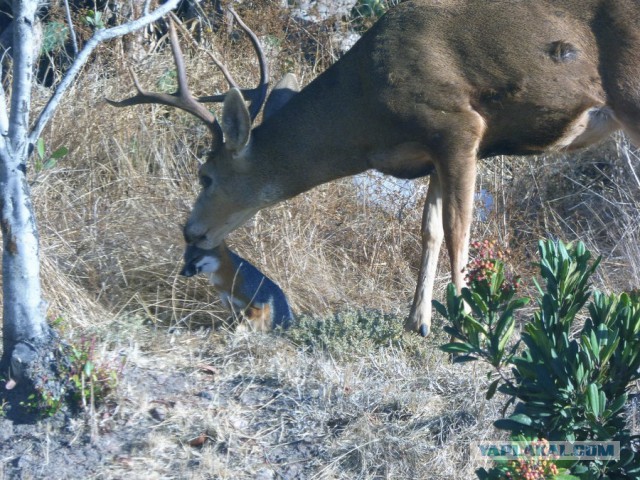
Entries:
{"x":100,"y":36}
{"x":72,"y":31}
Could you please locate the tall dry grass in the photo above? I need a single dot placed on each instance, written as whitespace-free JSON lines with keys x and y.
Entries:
{"x":110,"y":216}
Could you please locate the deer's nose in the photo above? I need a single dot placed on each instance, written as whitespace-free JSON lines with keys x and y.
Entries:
{"x":192,"y":235}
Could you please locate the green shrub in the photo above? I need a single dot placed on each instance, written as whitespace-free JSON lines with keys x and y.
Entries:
{"x":352,"y":332}
{"x":83,"y":383}
{"x":568,"y":382}
{"x":54,"y":36}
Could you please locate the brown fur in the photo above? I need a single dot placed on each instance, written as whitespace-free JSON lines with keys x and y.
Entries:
{"x":259,"y":317}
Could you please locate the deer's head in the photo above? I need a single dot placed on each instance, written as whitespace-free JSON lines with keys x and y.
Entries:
{"x":234,"y":185}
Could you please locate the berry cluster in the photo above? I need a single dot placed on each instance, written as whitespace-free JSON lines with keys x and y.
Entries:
{"x":487,"y":261}
{"x":535,"y":467}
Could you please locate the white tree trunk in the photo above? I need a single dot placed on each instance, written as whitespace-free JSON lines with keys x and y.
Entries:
{"x":25,"y":329}
{"x":27,"y":338}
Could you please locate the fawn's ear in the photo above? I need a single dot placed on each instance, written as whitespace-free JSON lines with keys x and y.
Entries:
{"x":236,"y":122}
{"x":284,"y":91}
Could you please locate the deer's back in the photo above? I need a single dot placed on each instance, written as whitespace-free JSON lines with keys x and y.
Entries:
{"x":528,"y":67}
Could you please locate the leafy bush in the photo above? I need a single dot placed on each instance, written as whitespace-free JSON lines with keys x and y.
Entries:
{"x":570,"y":382}
{"x":352,"y":332}
{"x":54,"y":36}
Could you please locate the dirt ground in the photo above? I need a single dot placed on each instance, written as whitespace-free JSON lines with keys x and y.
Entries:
{"x":238,"y":405}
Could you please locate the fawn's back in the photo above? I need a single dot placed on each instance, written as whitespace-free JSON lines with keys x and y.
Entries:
{"x":244,"y":290}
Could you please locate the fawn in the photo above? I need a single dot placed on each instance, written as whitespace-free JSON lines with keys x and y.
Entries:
{"x":243,"y":289}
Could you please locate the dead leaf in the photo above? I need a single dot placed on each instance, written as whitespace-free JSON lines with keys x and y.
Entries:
{"x":198,"y":441}
{"x":210,"y":369}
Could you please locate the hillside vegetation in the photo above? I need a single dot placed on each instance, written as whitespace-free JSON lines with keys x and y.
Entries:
{"x":199,"y":398}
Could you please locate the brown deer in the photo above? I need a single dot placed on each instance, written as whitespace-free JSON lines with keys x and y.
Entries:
{"x":431,"y":88}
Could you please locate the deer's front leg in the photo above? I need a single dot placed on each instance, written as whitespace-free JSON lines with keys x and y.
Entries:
{"x":448,"y":212}
{"x":458,"y":186}
{"x":432,"y":234}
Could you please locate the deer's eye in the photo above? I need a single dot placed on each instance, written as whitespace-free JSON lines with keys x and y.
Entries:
{"x":205,"y":181}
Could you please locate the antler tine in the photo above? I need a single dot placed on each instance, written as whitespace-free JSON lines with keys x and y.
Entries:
{"x":225,"y":72}
{"x":181,"y":98}
{"x":256,"y":95}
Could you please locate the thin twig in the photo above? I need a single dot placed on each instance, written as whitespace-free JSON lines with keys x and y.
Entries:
{"x":101,"y":35}
{"x":626,"y":152}
{"x":72,"y":31}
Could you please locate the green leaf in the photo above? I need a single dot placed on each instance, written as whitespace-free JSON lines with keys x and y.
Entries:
{"x":464,"y":359}
{"x":457,"y":347}
{"x":491,"y":391}
{"x":608,"y":351}
{"x":40,"y":148}
{"x":513,"y":423}
{"x":440,"y":308}
{"x":594,"y":398}
{"x":580,"y":469}
{"x":521,"y":418}
{"x":506,"y":337}
{"x":88,"y":368}
{"x":475,"y":326}
{"x":59,"y":153}
{"x":49,"y":164}
{"x":618,"y":403}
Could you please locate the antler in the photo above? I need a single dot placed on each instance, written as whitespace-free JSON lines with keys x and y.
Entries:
{"x":182,"y":97}
{"x":257,"y":95}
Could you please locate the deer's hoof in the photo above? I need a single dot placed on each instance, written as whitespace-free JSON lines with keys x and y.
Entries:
{"x":424,"y":330}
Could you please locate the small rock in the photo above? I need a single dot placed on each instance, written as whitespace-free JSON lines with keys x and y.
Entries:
{"x":265,"y":474}
{"x":6,"y":430}
{"x":158,"y":413}
{"x":206,"y":395}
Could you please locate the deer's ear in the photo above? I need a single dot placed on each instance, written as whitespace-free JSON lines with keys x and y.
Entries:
{"x":236,"y":123}
{"x":284,"y":91}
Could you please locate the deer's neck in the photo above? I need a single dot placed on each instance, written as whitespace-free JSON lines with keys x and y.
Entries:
{"x":317,"y":137}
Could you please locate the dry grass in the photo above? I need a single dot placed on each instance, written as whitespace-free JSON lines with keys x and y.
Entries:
{"x":110,"y":216}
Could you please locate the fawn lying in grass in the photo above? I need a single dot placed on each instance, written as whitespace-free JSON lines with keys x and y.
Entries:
{"x":244,"y":289}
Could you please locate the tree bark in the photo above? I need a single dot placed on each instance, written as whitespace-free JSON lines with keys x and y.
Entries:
{"x":25,"y":329}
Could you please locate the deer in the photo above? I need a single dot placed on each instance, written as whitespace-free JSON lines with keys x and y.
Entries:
{"x":247,"y":292}
{"x":430,"y":89}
